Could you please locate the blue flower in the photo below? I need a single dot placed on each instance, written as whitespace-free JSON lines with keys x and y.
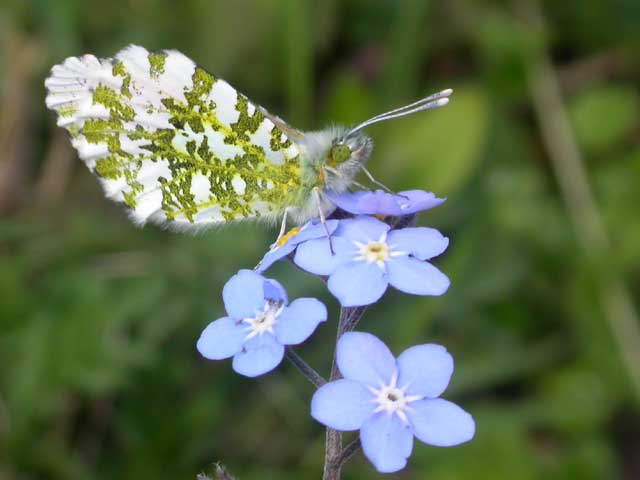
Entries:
{"x":391,"y":400}
{"x":287,"y":244}
{"x":383,"y":203}
{"x":259,"y":324}
{"x":365,"y":258}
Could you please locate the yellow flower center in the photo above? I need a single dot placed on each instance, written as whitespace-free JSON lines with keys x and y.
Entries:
{"x":375,"y":252}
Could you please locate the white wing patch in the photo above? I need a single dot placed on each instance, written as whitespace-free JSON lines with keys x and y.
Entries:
{"x":177,"y":146}
{"x":238,"y":184}
{"x":200,"y":188}
{"x":225,"y":99}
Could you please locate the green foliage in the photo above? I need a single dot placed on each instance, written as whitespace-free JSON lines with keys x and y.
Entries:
{"x":99,"y":377}
{"x":441,"y":150}
{"x":605,"y":117}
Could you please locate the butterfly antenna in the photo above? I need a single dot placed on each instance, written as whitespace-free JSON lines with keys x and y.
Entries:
{"x":436,"y":100}
{"x":428,"y":99}
{"x":374,"y":181}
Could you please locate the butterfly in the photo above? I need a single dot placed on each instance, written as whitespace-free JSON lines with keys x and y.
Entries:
{"x":183,"y":149}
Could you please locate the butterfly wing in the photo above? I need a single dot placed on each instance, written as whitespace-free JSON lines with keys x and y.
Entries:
{"x":176,"y":145}
{"x":292,"y":133}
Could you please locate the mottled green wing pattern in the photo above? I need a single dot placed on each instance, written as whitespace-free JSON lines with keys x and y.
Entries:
{"x":176,"y":145}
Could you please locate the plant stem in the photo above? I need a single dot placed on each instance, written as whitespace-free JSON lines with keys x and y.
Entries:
{"x":353,"y":318}
{"x":335,"y":456}
{"x":220,"y":474}
{"x":333,"y":441}
{"x":567,"y":162}
{"x":333,"y":450}
{"x":304,"y":368}
{"x":349,"y":451}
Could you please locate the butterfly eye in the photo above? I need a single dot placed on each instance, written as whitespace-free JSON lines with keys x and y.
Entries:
{"x":339,"y":153}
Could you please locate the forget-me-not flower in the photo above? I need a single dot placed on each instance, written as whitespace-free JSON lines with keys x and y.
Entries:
{"x":259,"y":324}
{"x":290,"y":240}
{"x":391,"y":400}
{"x":382,"y":203}
{"x":365,"y":257}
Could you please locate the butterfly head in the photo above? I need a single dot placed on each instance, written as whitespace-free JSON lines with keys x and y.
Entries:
{"x":348,"y":148}
{"x":344,"y":158}
{"x":351,"y":148}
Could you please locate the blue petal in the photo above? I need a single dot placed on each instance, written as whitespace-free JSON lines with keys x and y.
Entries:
{"x":298,"y":321}
{"x":273,"y":290}
{"x":387,"y":442}
{"x":425,"y":370}
{"x":421,"y":242}
{"x":417,"y":201}
{"x":362,"y":229}
{"x":221,"y":339}
{"x":364,"y":358}
{"x":355,"y":202}
{"x":380,"y":202}
{"x":417,"y":277}
{"x":316,"y":257}
{"x":343,"y":405}
{"x":309,"y":231}
{"x":344,"y":250}
{"x":440,"y":423}
{"x":272,"y":256}
{"x":314,"y":229}
{"x":358,"y":283}
{"x":260,"y":354}
{"x":243,"y":294}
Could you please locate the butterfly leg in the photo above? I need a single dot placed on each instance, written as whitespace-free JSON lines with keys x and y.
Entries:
{"x":335,"y":172}
{"x":374,"y":181}
{"x":283,"y":227}
{"x":281,"y":235}
{"x":323,"y":220}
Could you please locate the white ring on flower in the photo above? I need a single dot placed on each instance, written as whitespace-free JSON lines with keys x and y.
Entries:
{"x":377,"y":252}
{"x":392,"y":399}
{"x":264,"y":319}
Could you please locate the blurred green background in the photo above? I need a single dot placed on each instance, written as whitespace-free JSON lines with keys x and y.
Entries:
{"x":539,"y":157}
